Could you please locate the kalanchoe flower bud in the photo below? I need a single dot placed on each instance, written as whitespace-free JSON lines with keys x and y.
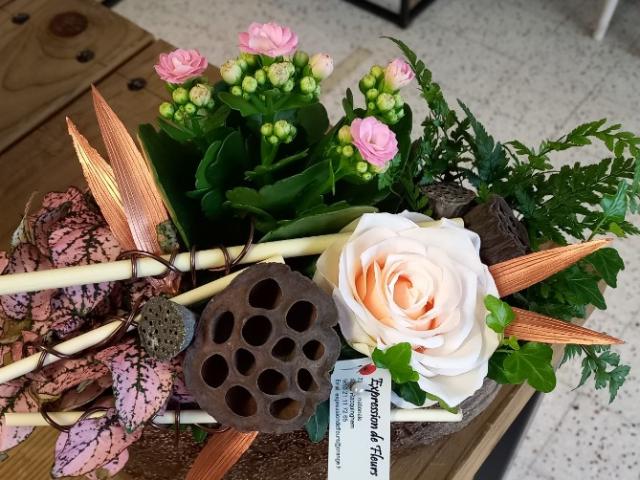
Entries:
{"x":385,"y":102}
{"x":231,"y":72}
{"x":367,"y":82}
{"x":399,"y":100}
{"x":397,"y":74}
{"x":288,"y":86}
{"x":300,"y":58}
{"x":376,"y":71}
{"x":290,"y":68}
{"x":347,"y":151}
{"x":210,"y":104}
{"x":273,"y":140}
{"x":307,"y":85}
{"x":178,"y":117}
{"x":180,"y":95}
{"x":266,"y":129}
{"x":279,"y":73}
{"x":371,"y":106}
{"x":166,"y":110}
{"x":362,"y":167}
{"x":260,"y":76}
{"x":372,"y":94}
{"x":367,"y":176}
{"x":236,"y":90}
{"x":321,"y":66}
{"x":248,"y":58}
{"x":190,"y":108}
{"x":249,"y":84}
{"x":242,"y":63}
{"x":282,"y":129}
{"x":344,"y":135}
{"x":200,"y":94}
{"x":391,"y":117}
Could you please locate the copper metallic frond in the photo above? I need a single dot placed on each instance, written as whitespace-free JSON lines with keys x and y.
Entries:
{"x":141,"y":199}
{"x":522,"y":272}
{"x":220,"y":454}
{"x":539,"y":328}
{"x":102,"y":183}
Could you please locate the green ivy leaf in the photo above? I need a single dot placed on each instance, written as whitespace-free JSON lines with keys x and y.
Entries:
{"x":396,"y":359}
{"x":500,"y":313}
{"x":608,"y":263}
{"x":318,"y":424}
{"x":533,"y":364}
{"x":411,"y":392}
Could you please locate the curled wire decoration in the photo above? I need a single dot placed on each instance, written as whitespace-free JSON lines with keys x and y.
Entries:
{"x":66,"y":428}
{"x":134,"y":255}
{"x":115,"y":337}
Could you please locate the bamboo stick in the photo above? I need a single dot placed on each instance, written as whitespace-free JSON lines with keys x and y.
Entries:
{"x":89,"y":339}
{"x":121,"y":270}
{"x":198,"y":416}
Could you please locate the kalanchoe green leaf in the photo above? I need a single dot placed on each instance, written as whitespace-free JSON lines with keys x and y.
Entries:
{"x":397,"y":360}
{"x":318,"y":424}
{"x":500,"y":313}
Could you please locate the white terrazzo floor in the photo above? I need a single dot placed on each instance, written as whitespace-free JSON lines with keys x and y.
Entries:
{"x":529,"y":70}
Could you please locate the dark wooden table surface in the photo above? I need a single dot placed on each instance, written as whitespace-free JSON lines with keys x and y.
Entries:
{"x":52,"y":51}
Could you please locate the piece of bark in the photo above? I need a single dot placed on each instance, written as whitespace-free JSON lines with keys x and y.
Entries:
{"x":165,"y":328}
{"x":448,"y":200}
{"x":502,"y":235}
{"x":263,"y":351}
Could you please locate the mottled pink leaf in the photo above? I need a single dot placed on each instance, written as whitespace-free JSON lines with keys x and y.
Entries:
{"x":4,"y":261}
{"x":62,"y":375}
{"x":64,"y":319}
{"x":15,"y":397}
{"x":30,"y":337}
{"x":5,"y":351}
{"x":91,"y":444}
{"x":141,"y":384}
{"x":180,"y":392}
{"x":55,"y":207}
{"x":84,"y":239}
{"x":112,"y":468}
{"x":32,"y":305}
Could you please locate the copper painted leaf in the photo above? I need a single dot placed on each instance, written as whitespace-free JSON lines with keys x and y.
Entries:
{"x":141,"y":384}
{"x":15,"y":397}
{"x":91,"y":444}
{"x":60,"y":376}
{"x":84,"y":239}
{"x":32,"y":305}
{"x":110,"y":469}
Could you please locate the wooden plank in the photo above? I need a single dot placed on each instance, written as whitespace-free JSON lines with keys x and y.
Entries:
{"x":32,"y":459}
{"x":45,"y":160}
{"x":40,"y":73}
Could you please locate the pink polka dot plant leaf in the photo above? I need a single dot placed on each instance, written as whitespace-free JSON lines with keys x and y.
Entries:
{"x":58,"y":377}
{"x":92,"y":444}
{"x":141,"y":384}
{"x":15,"y":397}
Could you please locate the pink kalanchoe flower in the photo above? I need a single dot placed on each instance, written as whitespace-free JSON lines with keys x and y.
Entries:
{"x":374,"y":140}
{"x":180,"y":65}
{"x":268,"y":39}
{"x":397,"y":74}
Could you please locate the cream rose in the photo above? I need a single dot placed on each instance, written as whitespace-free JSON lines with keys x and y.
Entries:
{"x":394,"y":282}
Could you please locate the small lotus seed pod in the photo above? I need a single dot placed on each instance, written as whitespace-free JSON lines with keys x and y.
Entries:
{"x":165,"y":328}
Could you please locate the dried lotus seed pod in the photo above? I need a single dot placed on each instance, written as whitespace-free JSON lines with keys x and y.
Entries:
{"x":165,"y":328}
{"x":448,"y":200}
{"x":263,"y":351}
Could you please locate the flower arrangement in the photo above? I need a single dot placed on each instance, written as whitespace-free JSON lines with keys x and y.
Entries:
{"x":436,"y":251}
